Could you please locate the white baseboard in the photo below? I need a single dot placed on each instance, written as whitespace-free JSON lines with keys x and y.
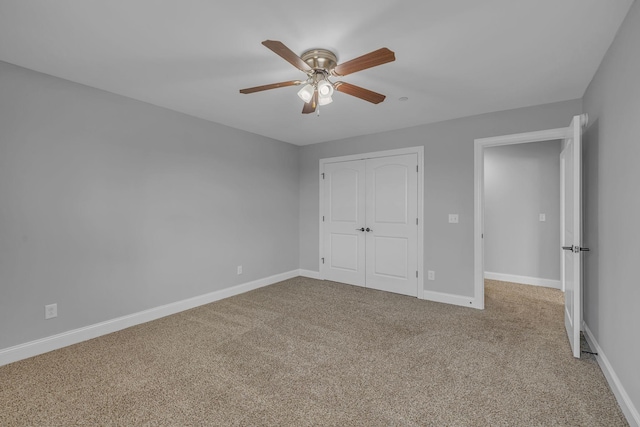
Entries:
{"x":627,"y":406}
{"x":448,"y":298}
{"x":525,"y":280}
{"x":310,"y":274}
{"x":54,"y":342}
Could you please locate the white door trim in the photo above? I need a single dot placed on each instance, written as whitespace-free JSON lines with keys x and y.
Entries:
{"x":409,"y":150}
{"x":478,"y":193}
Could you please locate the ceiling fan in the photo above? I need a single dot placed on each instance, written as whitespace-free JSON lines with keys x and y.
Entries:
{"x":319,"y":65}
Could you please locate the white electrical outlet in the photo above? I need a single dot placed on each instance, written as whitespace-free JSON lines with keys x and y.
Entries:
{"x":239,"y":269}
{"x":543,"y":217}
{"x":453,"y":218}
{"x":431,"y":275}
{"x":50,"y":311}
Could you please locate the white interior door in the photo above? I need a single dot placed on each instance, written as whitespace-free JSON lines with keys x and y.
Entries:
{"x":391,"y":214}
{"x":344,"y":222}
{"x":370,"y":231}
{"x":572,"y":233}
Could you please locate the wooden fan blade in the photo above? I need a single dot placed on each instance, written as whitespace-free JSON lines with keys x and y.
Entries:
{"x":271,"y":86}
{"x":280,"y":49}
{"x":359,"y":92}
{"x":311,"y":106}
{"x":372,"y":59}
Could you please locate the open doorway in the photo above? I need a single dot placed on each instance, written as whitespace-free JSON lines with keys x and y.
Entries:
{"x":479,"y":153}
{"x":571,"y":221}
{"x":522,"y":213}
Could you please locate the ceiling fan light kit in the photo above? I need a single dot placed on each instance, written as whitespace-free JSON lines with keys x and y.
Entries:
{"x":319,"y":65}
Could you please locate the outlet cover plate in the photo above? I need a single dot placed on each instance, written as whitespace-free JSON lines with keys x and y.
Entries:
{"x":453,"y":218}
{"x":50,"y":311}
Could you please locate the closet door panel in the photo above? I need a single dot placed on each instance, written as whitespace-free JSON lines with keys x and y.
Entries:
{"x":391,"y":213}
{"x":344,"y":212}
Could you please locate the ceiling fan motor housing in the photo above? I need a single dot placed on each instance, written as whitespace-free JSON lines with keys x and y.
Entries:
{"x":320,"y":59}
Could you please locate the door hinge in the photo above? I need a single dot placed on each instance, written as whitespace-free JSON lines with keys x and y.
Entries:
{"x":416,"y":221}
{"x":322,"y":175}
{"x":322,"y":260}
{"x":322,"y":218}
{"x":416,"y":168}
{"x":416,"y":274}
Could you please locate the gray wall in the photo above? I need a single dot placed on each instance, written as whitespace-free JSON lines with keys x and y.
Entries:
{"x":612,"y":205}
{"x":110,"y":206}
{"x":522,"y":181}
{"x":448,"y":186}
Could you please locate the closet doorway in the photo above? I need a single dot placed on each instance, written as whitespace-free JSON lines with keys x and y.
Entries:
{"x":370,"y":220}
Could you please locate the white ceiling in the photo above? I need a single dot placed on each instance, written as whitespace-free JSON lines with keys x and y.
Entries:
{"x":453,"y":58}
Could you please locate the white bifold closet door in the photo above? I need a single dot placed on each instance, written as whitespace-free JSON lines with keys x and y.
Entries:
{"x":370,"y":231}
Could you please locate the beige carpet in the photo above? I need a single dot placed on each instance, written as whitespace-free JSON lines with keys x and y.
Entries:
{"x":305,"y":352}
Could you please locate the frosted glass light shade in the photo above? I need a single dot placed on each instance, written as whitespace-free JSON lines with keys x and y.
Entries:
{"x":324,"y":100}
{"x":306,"y":93}
{"x":325,"y":88}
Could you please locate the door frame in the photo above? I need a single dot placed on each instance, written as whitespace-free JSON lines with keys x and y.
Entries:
{"x":478,"y":193}
{"x":562,"y":213}
{"x":377,"y":154}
